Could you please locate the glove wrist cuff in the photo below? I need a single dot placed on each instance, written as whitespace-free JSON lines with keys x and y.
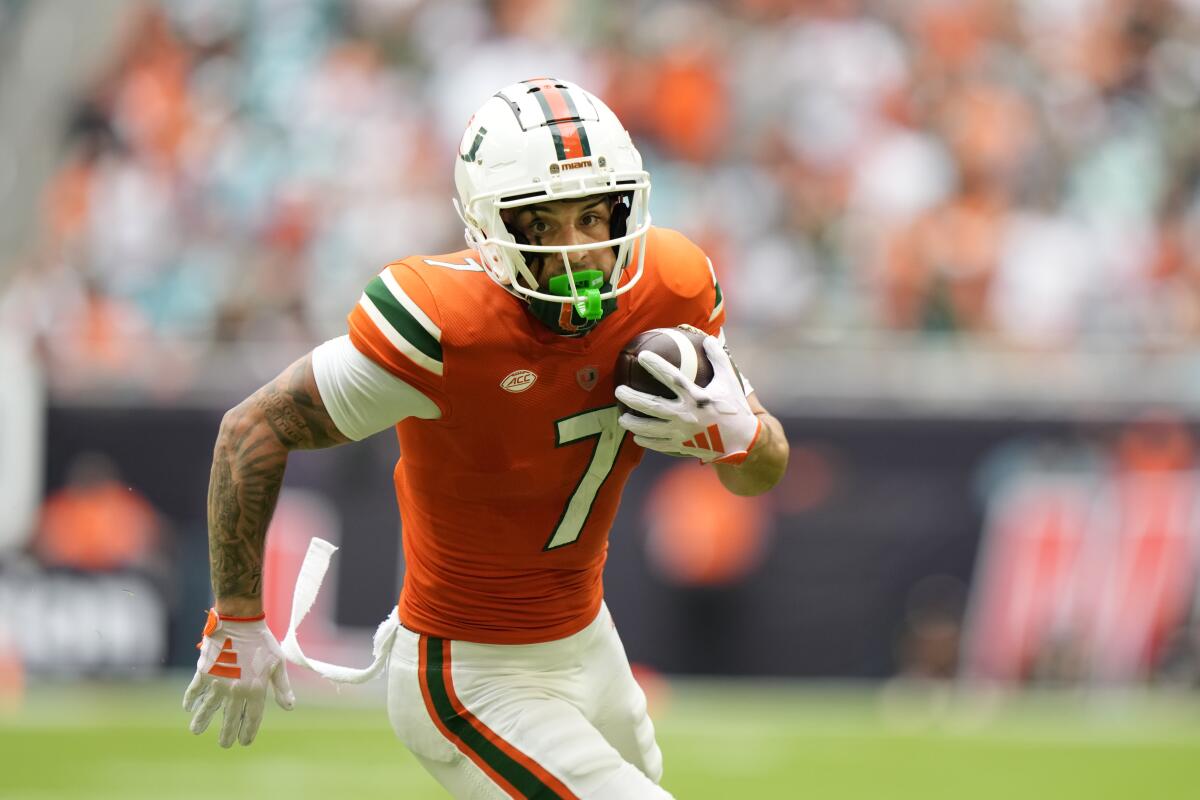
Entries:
{"x":215,"y":618}
{"x":740,"y":456}
{"x":230,"y":618}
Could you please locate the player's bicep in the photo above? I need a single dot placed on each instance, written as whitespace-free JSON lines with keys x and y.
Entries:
{"x":360,"y":396}
{"x":292,"y":407}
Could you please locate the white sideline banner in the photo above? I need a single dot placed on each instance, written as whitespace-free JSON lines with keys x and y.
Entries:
{"x":22,"y":442}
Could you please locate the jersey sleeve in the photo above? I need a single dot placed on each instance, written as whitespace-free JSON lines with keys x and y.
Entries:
{"x":716,"y":321}
{"x":689,"y":281}
{"x":711,"y":315}
{"x":714,"y":304}
{"x":360,"y":396}
{"x":396,"y":324}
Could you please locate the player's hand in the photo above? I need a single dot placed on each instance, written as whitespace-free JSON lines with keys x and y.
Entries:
{"x":713,"y":423}
{"x":238,"y":658}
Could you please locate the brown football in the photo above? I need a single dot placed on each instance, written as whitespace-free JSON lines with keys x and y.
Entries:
{"x":682,"y":346}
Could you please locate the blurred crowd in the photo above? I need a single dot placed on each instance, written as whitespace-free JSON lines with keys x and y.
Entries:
{"x":1024,"y":171}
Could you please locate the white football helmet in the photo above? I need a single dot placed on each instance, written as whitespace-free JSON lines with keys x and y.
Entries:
{"x":542,"y":140}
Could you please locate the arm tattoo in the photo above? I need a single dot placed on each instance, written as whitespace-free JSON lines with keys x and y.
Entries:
{"x":292,"y":407}
{"x":248,"y":465}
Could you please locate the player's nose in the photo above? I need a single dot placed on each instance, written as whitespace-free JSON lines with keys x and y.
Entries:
{"x":574,"y":237}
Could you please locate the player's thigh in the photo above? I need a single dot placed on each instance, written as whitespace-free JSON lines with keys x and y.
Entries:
{"x":406,"y":703}
{"x":462,"y":779}
{"x":477,"y":730}
{"x":618,"y":707}
{"x":559,"y":746}
{"x":583,"y":771}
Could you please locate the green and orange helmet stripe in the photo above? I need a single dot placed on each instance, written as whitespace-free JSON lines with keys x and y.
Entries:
{"x":562,"y":119}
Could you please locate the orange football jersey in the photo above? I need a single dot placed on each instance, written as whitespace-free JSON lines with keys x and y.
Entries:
{"x":506,"y":501}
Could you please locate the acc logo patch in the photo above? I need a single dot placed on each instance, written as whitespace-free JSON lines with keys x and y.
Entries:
{"x":518,"y":381}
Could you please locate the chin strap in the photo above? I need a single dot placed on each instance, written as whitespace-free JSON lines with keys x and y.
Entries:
{"x":308,"y":584}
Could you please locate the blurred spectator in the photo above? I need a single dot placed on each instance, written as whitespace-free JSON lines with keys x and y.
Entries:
{"x":97,"y":522}
{"x":939,"y":270}
{"x":1019,"y":170}
{"x":929,"y":640}
{"x":102,"y":335}
{"x":699,"y":534}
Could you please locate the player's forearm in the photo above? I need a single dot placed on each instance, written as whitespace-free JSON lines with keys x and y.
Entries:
{"x":247,"y":471}
{"x":765,"y":464}
{"x":248,"y":465}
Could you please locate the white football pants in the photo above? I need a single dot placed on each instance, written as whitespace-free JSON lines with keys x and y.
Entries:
{"x":562,"y":719}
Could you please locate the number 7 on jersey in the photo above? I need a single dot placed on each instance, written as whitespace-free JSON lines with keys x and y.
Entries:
{"x":599,"y":424}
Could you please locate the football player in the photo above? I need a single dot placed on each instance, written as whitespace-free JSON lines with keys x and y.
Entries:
{"x":494,"y":364}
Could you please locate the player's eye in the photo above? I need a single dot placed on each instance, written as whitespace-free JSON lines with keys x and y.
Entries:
{"x":590,"y":219}
{"x":539,"y":226}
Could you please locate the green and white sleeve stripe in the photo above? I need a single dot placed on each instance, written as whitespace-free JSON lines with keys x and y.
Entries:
{"x":401,"y":320}
{"x":719,"y":302}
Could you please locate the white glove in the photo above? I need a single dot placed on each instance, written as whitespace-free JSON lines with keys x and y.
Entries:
{"x":713,"y":423}
{"x":238,"y":656}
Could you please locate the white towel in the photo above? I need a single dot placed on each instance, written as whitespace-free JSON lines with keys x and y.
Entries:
{"x":308,"y":583}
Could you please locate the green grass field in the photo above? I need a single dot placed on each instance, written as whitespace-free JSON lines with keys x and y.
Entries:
{"x":720,"y":740}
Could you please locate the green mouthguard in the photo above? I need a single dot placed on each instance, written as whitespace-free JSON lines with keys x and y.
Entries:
{"x":587,"y":284}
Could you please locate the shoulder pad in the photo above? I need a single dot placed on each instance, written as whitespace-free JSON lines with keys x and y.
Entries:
{"x":680,"y":265}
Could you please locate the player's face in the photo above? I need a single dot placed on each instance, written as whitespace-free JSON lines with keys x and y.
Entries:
{"x":561,"y":223}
